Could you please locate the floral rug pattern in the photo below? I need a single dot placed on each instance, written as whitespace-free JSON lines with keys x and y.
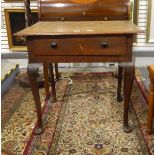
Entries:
{"x":85,"y":120}
{"x":18,"y":131}
{"x":11,"y":101}
{"x":91,"y":120}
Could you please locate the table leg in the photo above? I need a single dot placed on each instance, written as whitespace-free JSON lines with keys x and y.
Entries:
{"x":52,"y":82}
{"x":129,"y":73}
{"x":57,"y":72}
{"x":120,"y":73}
{"x":32,"y":70}
{"x":45,"y":70}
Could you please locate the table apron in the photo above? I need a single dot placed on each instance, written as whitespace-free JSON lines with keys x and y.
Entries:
{"x":80,"y":59}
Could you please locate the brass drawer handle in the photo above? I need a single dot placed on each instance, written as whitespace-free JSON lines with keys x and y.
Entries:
{"x":53,"y":45}
{"x":104,"y":44}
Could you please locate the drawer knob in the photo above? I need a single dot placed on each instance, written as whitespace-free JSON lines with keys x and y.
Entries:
{"x":53,"y":44}
{"x":104,"y":44}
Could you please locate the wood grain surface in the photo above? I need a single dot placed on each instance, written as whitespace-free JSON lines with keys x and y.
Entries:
{"x":74,"y":10}
{"x":81,"y":45}
{"x":80,"y":28}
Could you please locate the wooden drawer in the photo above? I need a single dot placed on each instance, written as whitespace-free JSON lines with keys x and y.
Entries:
{"x":108,"y":45}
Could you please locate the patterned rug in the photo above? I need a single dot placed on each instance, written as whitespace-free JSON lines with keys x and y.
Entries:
{"x":85,"y":120}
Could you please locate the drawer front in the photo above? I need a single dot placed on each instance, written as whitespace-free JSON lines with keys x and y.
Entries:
{"x":81,"y":46}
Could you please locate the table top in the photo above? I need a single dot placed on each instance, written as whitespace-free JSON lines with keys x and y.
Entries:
{"x":79,"y":28}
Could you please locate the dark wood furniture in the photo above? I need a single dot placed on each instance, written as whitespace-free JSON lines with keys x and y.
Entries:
{"x":29,"y":22}
{"x":150,"y":115}
{"x":81,"y":31}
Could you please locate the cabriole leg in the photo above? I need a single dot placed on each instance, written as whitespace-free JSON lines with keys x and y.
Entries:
{"x":129,"y":73}
{"x":57,"y":72}
{"x":52,"y":82}
{"x":46,"y":85}
{"x":32,"y":71}
{"x":120,"y":74}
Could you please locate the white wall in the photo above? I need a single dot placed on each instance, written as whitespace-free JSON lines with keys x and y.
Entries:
{"x":141,"y":41}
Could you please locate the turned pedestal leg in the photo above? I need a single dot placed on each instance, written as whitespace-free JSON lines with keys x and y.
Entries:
{"x":56,"y":72}
{"x":32,"y":70}
{"x":52,"y":82}
{"x":46,"y":85}
{"x":120,"y":73}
